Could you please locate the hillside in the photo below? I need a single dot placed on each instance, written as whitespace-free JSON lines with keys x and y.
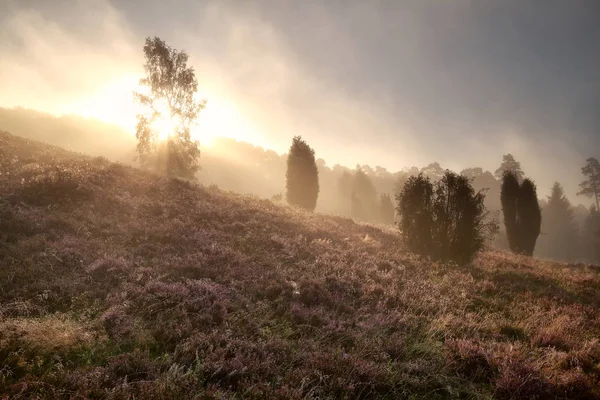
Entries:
{"x":116,"y":283}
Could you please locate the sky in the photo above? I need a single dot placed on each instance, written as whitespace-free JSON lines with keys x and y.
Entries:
{"x":390,"y":83}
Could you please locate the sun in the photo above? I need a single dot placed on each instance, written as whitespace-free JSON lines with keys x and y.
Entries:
{"x":223,"y":116}
{"x":163,"y":124}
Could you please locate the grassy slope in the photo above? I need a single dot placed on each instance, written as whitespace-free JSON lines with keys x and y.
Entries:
{"x":115,"y":282}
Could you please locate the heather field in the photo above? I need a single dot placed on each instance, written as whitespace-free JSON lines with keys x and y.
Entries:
{"x":117,"y":283}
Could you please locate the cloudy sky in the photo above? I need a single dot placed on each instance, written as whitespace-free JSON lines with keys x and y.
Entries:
{"x":391,"y":83}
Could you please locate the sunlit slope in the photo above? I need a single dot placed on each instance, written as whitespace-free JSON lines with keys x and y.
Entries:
{"x":117,"y":283}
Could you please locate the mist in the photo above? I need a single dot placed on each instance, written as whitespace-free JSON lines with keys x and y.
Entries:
{"x":299,"y":199}
{"x":391,"y":85}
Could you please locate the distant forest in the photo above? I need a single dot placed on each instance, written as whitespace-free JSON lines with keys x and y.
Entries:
{"x":242,"y":167}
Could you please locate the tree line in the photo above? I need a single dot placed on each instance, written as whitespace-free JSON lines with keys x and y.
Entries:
{"x":446,"y":218}
{"x":441,"y":213}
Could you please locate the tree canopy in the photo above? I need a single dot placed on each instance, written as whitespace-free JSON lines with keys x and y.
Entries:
{"x":509,"y":164}
{"x":446,"y":219}
{"x":167,"y":96}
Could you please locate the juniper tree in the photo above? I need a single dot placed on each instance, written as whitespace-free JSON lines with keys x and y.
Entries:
{"x":302,"y":176}
{"x":530,"y":217}
{"x":446,"y":220}
{"x":509,"y":198}
{"x":522,"y":214}
{"x":415,"y":207}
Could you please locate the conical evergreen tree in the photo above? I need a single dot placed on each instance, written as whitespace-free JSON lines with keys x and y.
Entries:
{"x":522,"y":214}
{"x":509,"y":198}
{"x":302,"y":176}
{"x":530,"y":217}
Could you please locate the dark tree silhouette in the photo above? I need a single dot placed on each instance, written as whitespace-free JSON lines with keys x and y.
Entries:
{"x":559,"y":232}
{"x":167,"y":96}
{"x":522,"y":214}
{"x":509,"y":164}
{"x":530,"y":217}
{"x":302,"y":176}
{"x":446,"y":220}
{"x":415,"y":207}
{"x":509,"y":198}
{"x":591,"y":187}
{"x":386,"y":209}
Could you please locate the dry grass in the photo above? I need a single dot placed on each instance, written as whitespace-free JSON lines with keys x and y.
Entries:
{"x":115,"y":283}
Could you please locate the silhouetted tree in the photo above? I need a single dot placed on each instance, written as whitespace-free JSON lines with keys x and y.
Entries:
{"x":302,"y":176}
{"x":509,"y":198}
{"x":509,"y":164}
{"x":522,"y":214}
{"x":530,"y":217}
{"x":559,"y":231}
{"x":415,"y":207}
{"x":446,"y":220}
{"x":386,"y":209}
{"x":167,"y":96}
{"x":591,"y":187}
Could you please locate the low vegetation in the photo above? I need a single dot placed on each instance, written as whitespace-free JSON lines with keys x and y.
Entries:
{"x":117,"y":283}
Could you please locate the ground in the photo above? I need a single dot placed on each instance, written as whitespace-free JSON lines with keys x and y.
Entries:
{"x":117,"y":283}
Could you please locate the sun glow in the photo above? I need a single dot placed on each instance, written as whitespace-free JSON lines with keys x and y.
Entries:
{"x":221,"y":118}
{"x":163,"y":124}
{"x":114,"y":103}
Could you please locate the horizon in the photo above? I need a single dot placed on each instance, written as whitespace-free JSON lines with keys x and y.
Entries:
{"x":213,"y":148}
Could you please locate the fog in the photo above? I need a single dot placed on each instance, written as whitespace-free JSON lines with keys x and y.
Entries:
{"x":397,"y":85}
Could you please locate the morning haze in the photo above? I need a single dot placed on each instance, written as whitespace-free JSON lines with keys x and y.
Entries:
{"x":460,"y":83}
{"x":299,"y":199}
